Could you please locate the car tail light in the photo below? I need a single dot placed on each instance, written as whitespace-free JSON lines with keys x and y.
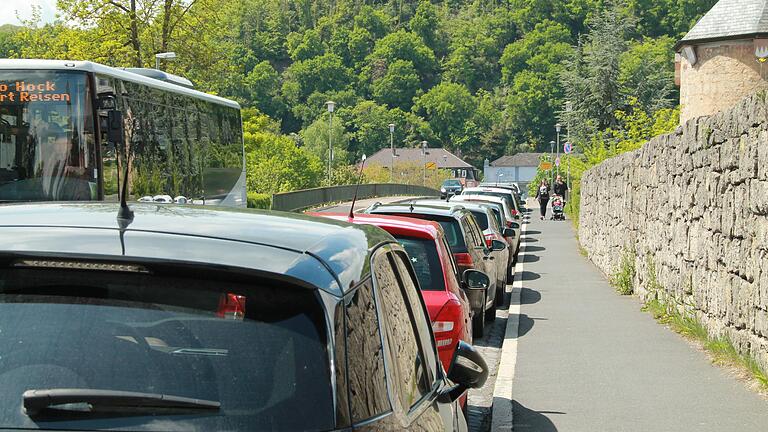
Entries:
{"x":489,"y":240}
{"x":231,"y":306}
{"x":447,"y":325}
{"x":514,"y":212}
{"x":464,"y":259}
{"x":509,"y":223}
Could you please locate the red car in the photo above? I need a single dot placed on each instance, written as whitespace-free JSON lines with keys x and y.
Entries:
{"x":424,"y":241}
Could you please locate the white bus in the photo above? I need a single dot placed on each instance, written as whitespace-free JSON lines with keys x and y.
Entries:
{"x":53,"y":146}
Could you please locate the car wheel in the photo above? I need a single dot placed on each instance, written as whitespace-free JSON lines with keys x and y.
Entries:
{"x":478,"y":325}
{"x":490,"y":314}
{"x":500,"y":294}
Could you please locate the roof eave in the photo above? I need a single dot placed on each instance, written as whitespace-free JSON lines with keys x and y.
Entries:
{"x":700,"y":41}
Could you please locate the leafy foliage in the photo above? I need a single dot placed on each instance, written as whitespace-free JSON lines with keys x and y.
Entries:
{"x":481,"y":78}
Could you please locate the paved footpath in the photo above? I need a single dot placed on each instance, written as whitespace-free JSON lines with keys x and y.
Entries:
{"x":589,"y":360}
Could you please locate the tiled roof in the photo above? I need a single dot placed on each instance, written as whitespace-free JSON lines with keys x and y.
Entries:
{"x":731,"y":18}
{"x":520,"y":159}
{"x":442,"y":157}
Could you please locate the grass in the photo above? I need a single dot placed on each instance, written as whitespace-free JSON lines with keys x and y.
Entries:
{"x":623,"y":279}
{"x":721,"y":349}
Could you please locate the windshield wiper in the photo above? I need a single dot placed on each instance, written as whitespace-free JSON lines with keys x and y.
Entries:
{"x":36,"y":401}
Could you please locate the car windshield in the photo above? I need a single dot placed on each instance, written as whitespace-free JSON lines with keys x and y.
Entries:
{"x":426,"y":262}
{"x":47,"y":141}
{"x":451,"y":183}
{"x":258,"y":348}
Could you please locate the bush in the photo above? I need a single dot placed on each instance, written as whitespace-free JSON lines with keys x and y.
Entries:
{"x":259,"y":200}
{"x":623,"y":279}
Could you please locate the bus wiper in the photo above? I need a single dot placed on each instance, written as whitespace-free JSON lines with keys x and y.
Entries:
{"x":36,"y":401}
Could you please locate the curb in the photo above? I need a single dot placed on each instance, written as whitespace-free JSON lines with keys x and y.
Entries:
{"x":502,"y":411}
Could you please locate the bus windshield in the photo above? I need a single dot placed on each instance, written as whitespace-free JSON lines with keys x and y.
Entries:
{"x":47,"y":140}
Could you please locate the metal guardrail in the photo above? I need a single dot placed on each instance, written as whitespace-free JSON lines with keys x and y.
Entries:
{"x":302,"y":199}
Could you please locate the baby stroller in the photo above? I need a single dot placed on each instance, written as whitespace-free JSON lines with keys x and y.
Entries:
{"x":557,"y":208}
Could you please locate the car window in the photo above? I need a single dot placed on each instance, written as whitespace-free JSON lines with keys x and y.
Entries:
{"x":365,"y":356}
{"x":499,"y":217}
{"x":418,"y":311}
{"x":408,"y":376}
{"x":257,"y":347}
{"x":473,"y":231}
{"x":494,"y":221}
{"x":451,"y":258}
{"x":426,"y":263}
{"x":481,"y":218}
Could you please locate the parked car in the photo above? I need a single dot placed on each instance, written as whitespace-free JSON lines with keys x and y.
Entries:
{"x":507,"y":194}
{"x":466,"y":242}
{"x":519,"y":193}
{"x":491,"y":230}
{"x":508,"y":220}
{"x":447,"y":303}
{"x":450,"y":188}
{"x":188,"y":318}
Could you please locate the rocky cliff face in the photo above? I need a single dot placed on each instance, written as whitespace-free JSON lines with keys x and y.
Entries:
{"x":692,"y":209}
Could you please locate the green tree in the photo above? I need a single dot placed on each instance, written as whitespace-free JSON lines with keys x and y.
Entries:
{"x":427,"y":24}
{"x":315,"y":141}
{"x":401,"y":45}
{"x":647,"y":73}
{"x":398,"y":86}
{"x":448,"y":107}
{"x":304,"y":46}
{"x":319,"y":74}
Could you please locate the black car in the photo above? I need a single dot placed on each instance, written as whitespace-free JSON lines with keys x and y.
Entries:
{"x":450,"y":188}
{"x":467,"y":243}
{"x":197,"y":319}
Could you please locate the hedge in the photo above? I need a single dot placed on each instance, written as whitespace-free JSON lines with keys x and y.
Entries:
{"x":259,"y":201}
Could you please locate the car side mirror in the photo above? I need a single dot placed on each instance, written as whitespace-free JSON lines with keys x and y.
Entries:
{"x":475,"y":280}
{"x":509,"y":232}
{"x":515,"y":225}
{"x":468,"y":370}
{"x":497,"y":245}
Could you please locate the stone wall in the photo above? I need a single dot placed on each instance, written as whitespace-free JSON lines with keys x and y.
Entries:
{"x":724,"y":73}
{"x":694,"y":206}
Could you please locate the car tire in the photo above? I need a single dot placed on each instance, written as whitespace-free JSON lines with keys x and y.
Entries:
{"x":490,"y":314}
{"x":500,"y":291}
{"x":478,"y":325}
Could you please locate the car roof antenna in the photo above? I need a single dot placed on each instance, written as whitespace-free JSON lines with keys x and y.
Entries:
{"x":354,"y":198}
{"x":116,"y":136}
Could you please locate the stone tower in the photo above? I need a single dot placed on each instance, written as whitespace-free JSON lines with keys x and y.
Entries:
{"x":723,"y":58}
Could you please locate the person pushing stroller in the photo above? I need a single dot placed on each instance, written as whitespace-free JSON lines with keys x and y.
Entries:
{"x":558,"y":200}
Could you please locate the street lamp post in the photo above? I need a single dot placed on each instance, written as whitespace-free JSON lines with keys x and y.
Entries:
{"x":392,"y":146}
{"x":331,"y":105}
{"x":552,"y":158}
{"x":424,"y":163}
{"x":164,"y":56}
{"x":568,"y":110}
{"x":557,"y":128}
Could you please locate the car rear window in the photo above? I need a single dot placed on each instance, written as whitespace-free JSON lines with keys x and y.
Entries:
{"x":450,"y":225}
{"x":482,"y":219}
{"x":452,"y":183}
{"x":425,"y":261}
{"x":255,"y":346}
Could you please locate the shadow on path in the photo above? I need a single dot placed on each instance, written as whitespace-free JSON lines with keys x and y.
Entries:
{"x":526,"y":324}
{"x":534,"y":249}
{"x":528,"y":240}
{"x":532,"y":232}
{"x":528,"y":276}
{"x":534,"y":421}
{"x":529,"y":296}
{"x":529,"y":258}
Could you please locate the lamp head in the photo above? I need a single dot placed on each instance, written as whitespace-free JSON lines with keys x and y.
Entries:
{"x":558,"y":127}
{"x":331,"y":105}
{"x":391,"y":127}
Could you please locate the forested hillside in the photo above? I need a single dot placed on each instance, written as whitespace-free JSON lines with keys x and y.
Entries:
{"x":482,"y":78}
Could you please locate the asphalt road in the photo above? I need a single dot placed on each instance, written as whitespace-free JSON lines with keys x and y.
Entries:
{"x":589,"y":359}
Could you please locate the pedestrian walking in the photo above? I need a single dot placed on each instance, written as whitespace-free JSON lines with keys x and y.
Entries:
{"x":542,"y":195}
{"x":560,"y":188}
